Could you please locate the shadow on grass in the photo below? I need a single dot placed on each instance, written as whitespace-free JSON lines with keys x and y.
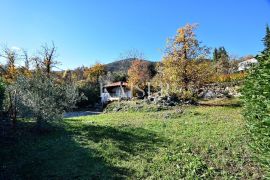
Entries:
{"x":130,"y":140}
{"x":56,"y":155}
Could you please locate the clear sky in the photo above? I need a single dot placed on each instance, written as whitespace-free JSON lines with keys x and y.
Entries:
{"x":86,"y":31}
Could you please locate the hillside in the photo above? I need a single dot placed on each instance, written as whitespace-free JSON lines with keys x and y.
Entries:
{"x":122,"y":65}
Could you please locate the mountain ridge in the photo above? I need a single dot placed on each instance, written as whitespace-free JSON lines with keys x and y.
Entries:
{"x":123,"y":65}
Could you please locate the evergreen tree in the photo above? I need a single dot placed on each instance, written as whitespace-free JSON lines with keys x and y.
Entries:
{"x":221,"y":59}
{"x":266,"y":39}
{"x":215,"y":55}
{"x":222,"y":52}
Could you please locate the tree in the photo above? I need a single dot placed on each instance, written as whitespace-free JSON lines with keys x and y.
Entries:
{"x":67,"y":76}
{"x":215,"y":55}
{"x":26,"y":68}
{"x":78,"y":73}
{"x":266,"y":39}
{"x":139,"y":73}
{"x":10,"y":72}
{"x":182,"y":60}
{"x":44,"y":98}
{"x":48,"y":55}
{"x":223,"y":64}
{"x":221,"y":60}
{"x":133,"y":54}
{"x":93,"y":73}
{"x":119,"y":76}
{"x":90,"y":85}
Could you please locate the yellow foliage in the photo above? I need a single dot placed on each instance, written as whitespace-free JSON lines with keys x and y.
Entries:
{"x":183,"y":67}
{"x":93,"y":73}
{"x":138,"y":73}
{"x":230,"y":77}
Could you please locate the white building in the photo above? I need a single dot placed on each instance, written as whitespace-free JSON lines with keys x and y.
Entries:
{"x":245,"y":65}
{"x":115,"y":91}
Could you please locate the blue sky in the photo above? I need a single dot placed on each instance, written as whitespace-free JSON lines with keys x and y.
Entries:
{"x":86,"y":31}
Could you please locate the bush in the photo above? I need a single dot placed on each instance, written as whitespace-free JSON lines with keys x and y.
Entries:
{"x":256,"y":98}
{"x":2,"y":93}
{"x":92,"y":93}
{"x":235,"y":77}
{"x":134,"y":106}
{"x":43,"y":98}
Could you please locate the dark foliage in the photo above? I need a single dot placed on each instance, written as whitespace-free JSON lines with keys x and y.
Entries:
{"x":91,"y":92}
{"x":2,"y":93}
{"x":266,"y":39}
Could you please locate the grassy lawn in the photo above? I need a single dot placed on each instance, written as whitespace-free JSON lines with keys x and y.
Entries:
{"x":201,"y":142}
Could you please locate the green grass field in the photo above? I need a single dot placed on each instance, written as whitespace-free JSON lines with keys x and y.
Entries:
{"x":201,"y":142}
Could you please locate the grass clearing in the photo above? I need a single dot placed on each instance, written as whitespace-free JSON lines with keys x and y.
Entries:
{"x":202,"y":142}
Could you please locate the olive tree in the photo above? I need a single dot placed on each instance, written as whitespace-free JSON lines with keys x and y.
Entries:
{"x":43,"y":97}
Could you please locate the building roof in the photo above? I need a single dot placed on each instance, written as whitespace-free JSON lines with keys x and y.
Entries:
{"x":117,"y":84}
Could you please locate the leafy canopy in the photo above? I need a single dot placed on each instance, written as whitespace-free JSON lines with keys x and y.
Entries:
{"x":184,"y":66}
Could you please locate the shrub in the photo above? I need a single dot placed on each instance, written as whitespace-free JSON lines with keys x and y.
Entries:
{"x":43,"y":98}
{"x":256,"y":98}
{"x":134,"y":106}
{"x":235,"y":77}
{"x":91,"y":91}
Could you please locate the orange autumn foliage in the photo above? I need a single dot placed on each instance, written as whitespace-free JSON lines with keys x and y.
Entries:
{"x":139,"y":73}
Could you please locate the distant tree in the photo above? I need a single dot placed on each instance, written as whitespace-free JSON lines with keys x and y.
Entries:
{"x":90,"y":85}
{"x":48,"y":56}
{"x":78,"y":73}
{"x":215,"y":55}
{"x":67,"y":75}
{"x":223,"y":64}
{"x":139,"y":73}
{"x":221,"y":60}
{"x":91,"y":91}
{"x":266,"y":39}
{"x":93,"y":73}
{"x":119,"y":76}
{"x":26,"y":68}
{"x":10,"y":72}
{"x":133,"y":54}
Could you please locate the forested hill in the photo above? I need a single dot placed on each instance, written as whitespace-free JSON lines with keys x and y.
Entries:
{"x":122,"y":65}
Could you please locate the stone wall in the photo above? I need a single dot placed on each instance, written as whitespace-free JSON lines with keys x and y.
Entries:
{"x":219,"y":90}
